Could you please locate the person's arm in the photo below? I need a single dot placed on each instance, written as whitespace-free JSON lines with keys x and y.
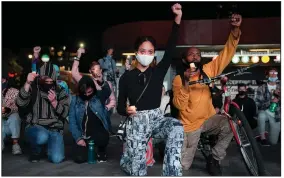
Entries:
{"x":101,"y":61}
{"x":165,"y":63}
{"x":181,"y":95}
{"x":122,"y":96}
{"x":75,"y":71}
{"x":75,"y":67}
{"x":217,"y":66}
{"x":112,"y":101}
{"x":61,"y":105}
{"x":24,"y":96}
{"x":73,"y":127}
{"x":260,"y":100}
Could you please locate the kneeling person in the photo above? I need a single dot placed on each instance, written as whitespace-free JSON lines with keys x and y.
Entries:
{"x":88,"y":121}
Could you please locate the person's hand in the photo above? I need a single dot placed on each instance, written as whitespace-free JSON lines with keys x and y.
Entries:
{"x":275,"y":100}
{"x":127,"y":65}
{"x":81,"y":143}
{"x":36,"y":51}
{"x":31,"y":77}
{"x":131,"y":110}
{"x":236,"y":20}
{"x":277,"y":92}
{"x":3,"y":110}
{"x":51,"y":96}
{"x":176,"y":8}
{"x":80,"y":51}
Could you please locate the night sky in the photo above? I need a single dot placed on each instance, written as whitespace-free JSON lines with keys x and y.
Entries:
{"x":26,"y":24}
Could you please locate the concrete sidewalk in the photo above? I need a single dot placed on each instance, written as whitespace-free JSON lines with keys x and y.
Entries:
{"x":232,"y":165}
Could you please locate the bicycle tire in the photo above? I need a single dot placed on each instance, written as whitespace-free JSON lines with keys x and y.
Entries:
{"x":257,"y":154}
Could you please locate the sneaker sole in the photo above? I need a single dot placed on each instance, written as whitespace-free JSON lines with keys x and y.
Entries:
{"x":102,"y":161}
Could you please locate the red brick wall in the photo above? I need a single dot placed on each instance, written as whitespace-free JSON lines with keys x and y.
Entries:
{"x":195,"y":32}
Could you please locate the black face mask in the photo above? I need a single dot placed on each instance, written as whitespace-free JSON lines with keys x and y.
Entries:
{"x":46,"y":87}
{"x":86,"y":98}
{"x":242,"y":93}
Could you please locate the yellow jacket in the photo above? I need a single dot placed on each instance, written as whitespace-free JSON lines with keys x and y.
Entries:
{"x":194,"y":102}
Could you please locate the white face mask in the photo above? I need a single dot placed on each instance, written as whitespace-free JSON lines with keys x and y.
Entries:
{"x":144,"y":60}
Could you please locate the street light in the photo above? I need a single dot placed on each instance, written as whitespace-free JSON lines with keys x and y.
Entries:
{"x":82,"y":45}
{"x":64,"y":47}
{"x":30,"y":56}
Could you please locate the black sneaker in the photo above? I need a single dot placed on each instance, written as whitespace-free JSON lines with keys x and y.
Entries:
{"x":34,"y":158}
{"x":264,"y":142}
{"x":101,"y":157}
{"x":213,"y":167}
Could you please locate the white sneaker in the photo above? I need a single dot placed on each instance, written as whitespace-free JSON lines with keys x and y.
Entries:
{"x":16,"y":149}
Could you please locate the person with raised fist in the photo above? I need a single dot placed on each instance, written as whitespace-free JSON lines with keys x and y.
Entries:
{"x":191,"y":101}
{"x":44,"y":107}
{"x":105,"y":93}
{"x":142,"y":87}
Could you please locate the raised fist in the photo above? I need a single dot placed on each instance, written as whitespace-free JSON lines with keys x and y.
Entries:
{"x":31,"y":77}
{"x":176,"y":8}
{"x":80,"y":51}
{"x":36,"y":51}
{"x":236,"y":20}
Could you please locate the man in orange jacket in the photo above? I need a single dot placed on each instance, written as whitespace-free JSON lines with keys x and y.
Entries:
{"x":194,"y":102}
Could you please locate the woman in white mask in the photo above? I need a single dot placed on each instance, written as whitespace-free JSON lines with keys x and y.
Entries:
{"x":146,"y":119}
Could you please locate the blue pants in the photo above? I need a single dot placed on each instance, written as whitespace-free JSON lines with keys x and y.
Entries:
{"x":38,"y":136}
{"x":11,"y":127}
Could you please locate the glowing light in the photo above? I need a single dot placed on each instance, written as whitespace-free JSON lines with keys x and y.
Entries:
{"x":82,"y":45}
{"x":277,"y":59}
{"x":30,"y":56}
{"x":265,"y":59}
{"x":245,"y":59}
{"x":255,"y":59}
{"x":51,"y":48}
{"x":236,"y":59}
{"x":64,"y":47}
{"x":45,"y":58}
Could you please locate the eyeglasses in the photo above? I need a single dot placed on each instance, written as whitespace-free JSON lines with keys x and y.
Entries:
{"x":273,"y":73}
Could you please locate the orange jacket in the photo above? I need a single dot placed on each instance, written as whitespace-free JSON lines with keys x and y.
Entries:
{"x":194,"y":102}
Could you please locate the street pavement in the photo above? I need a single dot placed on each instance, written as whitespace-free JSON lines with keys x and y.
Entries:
{"x":232,"y":165}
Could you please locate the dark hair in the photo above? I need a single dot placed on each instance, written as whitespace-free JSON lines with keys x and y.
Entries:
{"x":84,"y":83}
{"x":270,"y":69}
{"x":142,"y":39}
{"x":242,"y":85}
{"x":94,"y":63}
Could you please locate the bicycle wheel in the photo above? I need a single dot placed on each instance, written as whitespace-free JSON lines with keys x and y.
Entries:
{"x":247,"y":143}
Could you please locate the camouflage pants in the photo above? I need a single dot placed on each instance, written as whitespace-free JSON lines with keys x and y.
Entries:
{"x":142,"y":126}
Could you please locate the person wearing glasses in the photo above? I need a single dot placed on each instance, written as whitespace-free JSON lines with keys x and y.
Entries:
{"x":269,"y":94}
{"x":146,"y":118}
{"x":45,"y":106}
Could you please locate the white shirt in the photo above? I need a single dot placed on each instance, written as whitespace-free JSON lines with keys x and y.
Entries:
{"x":271,"y":88}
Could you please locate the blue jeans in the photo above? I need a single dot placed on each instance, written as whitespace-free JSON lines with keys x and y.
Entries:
{"x":11,"y":127}
{"x":38,"y":136}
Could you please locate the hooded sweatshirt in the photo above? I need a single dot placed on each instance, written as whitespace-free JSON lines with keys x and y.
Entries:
{"x":37,"y":106}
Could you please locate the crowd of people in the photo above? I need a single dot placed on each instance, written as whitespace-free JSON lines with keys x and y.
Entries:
{"x":44,"y":104}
